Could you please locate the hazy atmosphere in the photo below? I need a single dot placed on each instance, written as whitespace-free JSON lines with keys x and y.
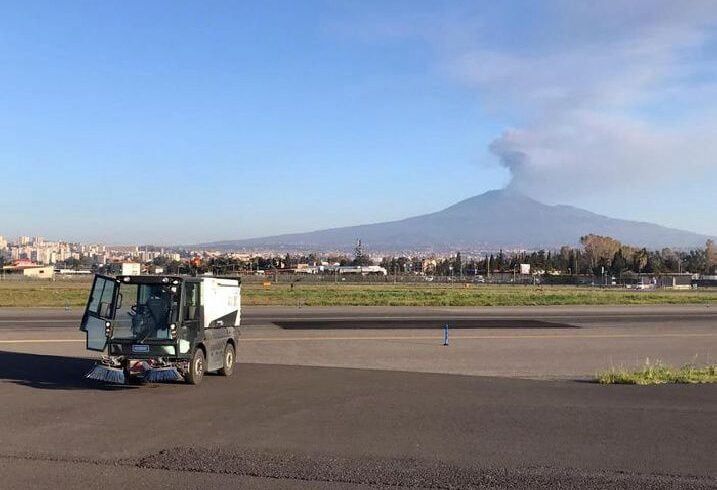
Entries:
{"x":183,"y":122}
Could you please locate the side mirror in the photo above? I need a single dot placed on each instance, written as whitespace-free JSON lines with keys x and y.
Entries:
{"x":119,"y":301}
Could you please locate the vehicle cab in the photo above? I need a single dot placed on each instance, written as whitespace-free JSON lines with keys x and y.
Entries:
{"x":155,"y":323}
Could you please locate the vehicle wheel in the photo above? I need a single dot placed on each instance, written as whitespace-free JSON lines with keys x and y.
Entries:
{"x":229,"y":360}
{"x":196,"y":368}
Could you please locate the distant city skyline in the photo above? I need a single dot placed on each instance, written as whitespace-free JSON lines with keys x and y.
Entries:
{"x":175,"y":123}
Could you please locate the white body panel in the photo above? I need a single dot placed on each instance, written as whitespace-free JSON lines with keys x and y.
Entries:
{"x":131,"y":269}
{"x":220,"y":298}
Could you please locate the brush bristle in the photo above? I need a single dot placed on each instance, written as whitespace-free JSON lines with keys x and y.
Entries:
{"x":107,"y":374}
{"x":161,"y":374}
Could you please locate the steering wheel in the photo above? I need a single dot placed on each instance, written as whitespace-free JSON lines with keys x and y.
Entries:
{"x":141,"y":319}
{"x":135,"y":310}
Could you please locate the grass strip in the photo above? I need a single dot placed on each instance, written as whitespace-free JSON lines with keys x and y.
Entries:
{"x":74,"y":293}
{"x":654,"y":373}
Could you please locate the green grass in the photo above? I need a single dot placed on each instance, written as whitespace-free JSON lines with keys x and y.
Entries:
{"x":658,"y":373}
{"x":422,"y":295}
{"x":73,"y":292}
{"x":42,"y":292}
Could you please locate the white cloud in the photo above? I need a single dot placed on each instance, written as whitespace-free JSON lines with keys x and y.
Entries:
{"x":598,"y":92}
{"x":594,"y":91}
{"x":587,"y":152}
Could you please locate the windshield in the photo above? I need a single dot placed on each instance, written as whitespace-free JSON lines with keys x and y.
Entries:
{"x":145,"y":311}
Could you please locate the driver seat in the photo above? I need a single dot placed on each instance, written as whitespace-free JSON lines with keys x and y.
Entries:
{"x":159,"y":311}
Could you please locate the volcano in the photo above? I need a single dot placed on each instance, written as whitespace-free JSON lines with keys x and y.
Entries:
{"x":496,"y":219}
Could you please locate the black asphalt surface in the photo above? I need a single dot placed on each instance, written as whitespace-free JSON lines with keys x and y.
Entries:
{"x":271,"y":424}
{"x":23,"y":319}
{"x":298,"y":426}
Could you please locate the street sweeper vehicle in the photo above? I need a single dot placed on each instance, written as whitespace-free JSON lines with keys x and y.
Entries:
{"x":162,"y":328}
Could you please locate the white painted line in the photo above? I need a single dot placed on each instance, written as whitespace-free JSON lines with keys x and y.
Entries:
{"x":478,"y":317}
{"x":488,"y":316}
{"x":77,"y":321}
{"x":477,"y":337}
{"x":40,"y":341}
{"x":416,"y":337}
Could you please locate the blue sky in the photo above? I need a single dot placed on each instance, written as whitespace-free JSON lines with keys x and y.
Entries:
{"x":180,"y":122}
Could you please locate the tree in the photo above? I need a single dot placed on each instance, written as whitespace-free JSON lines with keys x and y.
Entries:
{"x":564,"y":259}
{"x":499,"y":260}
{"x":670,"y":260}
{"x":599,"y":248}
{"x":696,"y":261}
{"x":72,"y":263}
{"x":654,"y":263}
{"x":619,"y":264}
{"x":711,"y":255}
{"x":458,"y":264}
{"x":161,"y":261}
{"x":359,"y":257}
{"x":640,"y":259}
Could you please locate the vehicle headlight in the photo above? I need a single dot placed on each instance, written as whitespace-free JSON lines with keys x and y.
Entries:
{"x":173,"y":330}
{"x":108,"y":329}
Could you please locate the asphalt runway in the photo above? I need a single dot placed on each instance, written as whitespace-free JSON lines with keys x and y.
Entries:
{"x":377,"y":401}
{"x":536,"y":343}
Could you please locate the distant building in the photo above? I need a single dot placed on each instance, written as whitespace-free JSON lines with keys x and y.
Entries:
{"x":125,"y":268}
{"x":364,"y":270}
{"x":30,"y":270}
{"x":309,"y":269}
{"x":677,"y":281}
{"x":705,"y":281}
{"x":663,"y":281}
{"x":72,"y":272}
{"x":155,"y":269}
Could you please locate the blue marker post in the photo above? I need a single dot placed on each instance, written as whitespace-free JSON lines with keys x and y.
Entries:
{"x":445,"y":334}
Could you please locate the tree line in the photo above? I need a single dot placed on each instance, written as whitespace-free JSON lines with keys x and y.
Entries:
{"x":597,"y":255}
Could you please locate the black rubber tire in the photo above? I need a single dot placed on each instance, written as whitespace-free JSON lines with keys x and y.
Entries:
{"x":197,"y":367}
{"x":230,"y":358}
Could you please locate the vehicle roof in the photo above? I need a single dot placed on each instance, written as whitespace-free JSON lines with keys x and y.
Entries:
{"x":164,"y":279}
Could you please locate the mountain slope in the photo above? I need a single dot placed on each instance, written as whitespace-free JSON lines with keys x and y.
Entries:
{"x":496,"y":219}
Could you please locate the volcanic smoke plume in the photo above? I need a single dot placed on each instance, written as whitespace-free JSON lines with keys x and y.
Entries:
{"x":611,"y":96}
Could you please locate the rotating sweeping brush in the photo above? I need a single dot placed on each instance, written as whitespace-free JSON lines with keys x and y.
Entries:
{"x":108,"y":374}
{"x":163,"y":373}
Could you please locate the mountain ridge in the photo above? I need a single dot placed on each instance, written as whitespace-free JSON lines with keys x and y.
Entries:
{"x":492,"y":220}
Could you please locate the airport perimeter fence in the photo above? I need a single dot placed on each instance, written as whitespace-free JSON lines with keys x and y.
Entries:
{"x":505,"y":279}
{"x":496,"y":280}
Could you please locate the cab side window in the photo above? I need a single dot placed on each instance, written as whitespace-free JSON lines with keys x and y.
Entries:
{"x":101,"y":298}
{"x":192,"y":300}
